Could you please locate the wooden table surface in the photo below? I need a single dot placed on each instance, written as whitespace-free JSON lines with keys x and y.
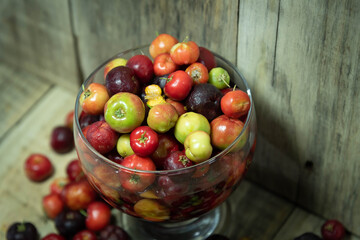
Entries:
{"x":31,"y":109}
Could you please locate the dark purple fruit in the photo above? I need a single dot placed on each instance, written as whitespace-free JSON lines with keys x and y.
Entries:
{"x":69,"y":222}
{"x":177,"y":160}
{"x":161,"y":80}
{"x":217,"y":237}
{"x":308,"y":236}
{"x":22,"y":231}
{"x":113,"y":232}
{"x":122,"y":79}
{"x":62,"y":139}
{"x":86,"y":119}
{"x":114,"y":156}
{"x":205,"y":99}
{"x":170,"y":187}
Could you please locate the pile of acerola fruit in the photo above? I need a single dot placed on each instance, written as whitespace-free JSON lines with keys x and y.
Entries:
{"x":180,"y":110}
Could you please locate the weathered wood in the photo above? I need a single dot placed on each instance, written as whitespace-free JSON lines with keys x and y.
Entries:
{"x":316,"y":77}
{"x":32,"y":135}
{"x":302,"y":62}
{"x":36,"y":35}
{"x":300,"y":222}
{"x":272,"y":167}
{"x":255,"y":213}
{"x":19,"y":90}
{"x":106,"y":28}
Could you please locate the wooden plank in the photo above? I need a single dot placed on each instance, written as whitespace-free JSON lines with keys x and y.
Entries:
{"x":32,"y":135}
{"x":316,"y":92}
{"x":255,"y":213}
{"x":121,"y":25}
{"x":19,"y":90}
{"x":18,"y":210}
{"x":273,"y":167}
{"x":37,"y":36}
{"x":302,"y":221}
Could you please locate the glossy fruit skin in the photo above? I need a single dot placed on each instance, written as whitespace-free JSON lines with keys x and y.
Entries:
{"x":98,"y":216}
{"x":162,"y":44}
{"x":52,"y":205}
{"x":102,"y":137}
{"x":122,"y":79}
{"x":117,"y":62}
{"x":180,"y":108}
{"x":198,"y":146}
{"x":177,"y":160}
{"x":78,"y":195}
{"x":58,"y":184}
{"x":225,"y":130}
{"x":235,"y":104}
{"x":69,"y":222}
{"x":144,"y":141}
{"x":87,"y":119}
{"x":152,"y":210}
{"x":123,"y":146}
{"x":207,"y":58}
{"x":167,"y":145}
{"x":205,"y":99}
{"x":137,"y":182}
{"x":53,"y":236}
{"x":22,"y":231}
{"x":142,"y":66}
{"x":113,"y":232}
{"x":332,"y":230}
{"x":85,"y":235}
{"x":185,"y":53}
{"x":178,"y":85}
{"x":163,"y":64}
{"x":198,"y":73}
{"x":74,"y":170}
{"x":62,"y":139}
{"x":219,"y":77}
{"x":188,"y":123}
{"x":93,"y":98}
{"x":308,"y":236}
{"x":162,"y":117}
{"x":38,"y":167}
{"x":124,"y":112}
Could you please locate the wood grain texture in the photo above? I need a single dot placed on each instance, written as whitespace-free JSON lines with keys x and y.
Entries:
{"x":317,"y":72}
{"x":32,"y":135}
{"x":37,"y":36}
{"x":16,"y":95}
{"x":256,"y":213}
{"x":273,"y":167}
{"x":106,"y":28}
{"x":302,"y":61}
{"x":300,"y":222}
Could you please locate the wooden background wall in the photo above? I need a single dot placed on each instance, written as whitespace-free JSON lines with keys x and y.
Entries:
{"x":301,"y":59}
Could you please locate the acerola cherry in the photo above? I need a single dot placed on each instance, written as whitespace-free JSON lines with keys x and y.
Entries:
{"x":62,"y":139}
{"x":332,"y":230}
{"x":38,"y":167}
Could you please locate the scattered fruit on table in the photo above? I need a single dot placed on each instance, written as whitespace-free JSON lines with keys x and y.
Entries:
{"x":38,"y":167}
{"x":62,"y":139}
{"x":53,"y":236}
{"x":113,"y":232}
{"x":98,"y":216}
{"x":22,"y":231}
{"x":332,"y":229}
{"x":52,"y":205}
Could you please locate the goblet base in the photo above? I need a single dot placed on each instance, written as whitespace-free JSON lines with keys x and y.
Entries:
{"x":194,"y":229}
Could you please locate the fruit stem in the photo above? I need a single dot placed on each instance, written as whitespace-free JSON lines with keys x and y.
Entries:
{"x":83,"y":212}
{"x":186,"y":39}
{"x":143,"y":139}
{"x":21,"y":227}
{"x":134,"y":178}
{"x":234,"y":87}
{"x":222,"y":78}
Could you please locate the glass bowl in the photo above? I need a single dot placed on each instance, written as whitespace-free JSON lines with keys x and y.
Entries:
{"x":179,"y":204}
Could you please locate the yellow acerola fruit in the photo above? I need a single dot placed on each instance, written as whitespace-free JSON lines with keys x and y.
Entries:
{"x":153,"y":95}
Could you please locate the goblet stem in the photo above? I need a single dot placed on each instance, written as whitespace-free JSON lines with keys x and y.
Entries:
{"x":194,"y":229}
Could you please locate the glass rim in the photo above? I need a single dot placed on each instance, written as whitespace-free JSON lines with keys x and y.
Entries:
{"x":160,"y":172}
